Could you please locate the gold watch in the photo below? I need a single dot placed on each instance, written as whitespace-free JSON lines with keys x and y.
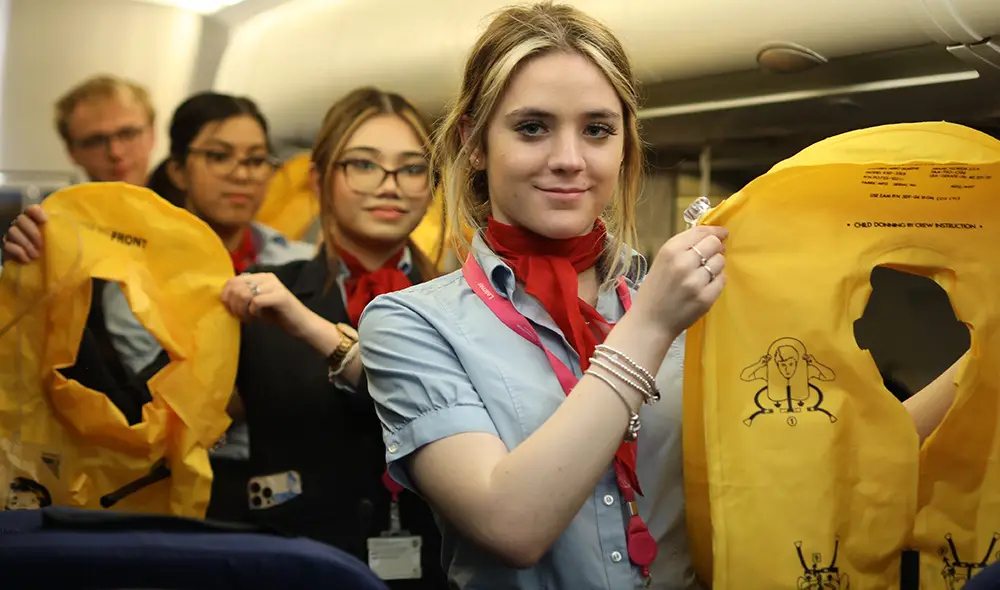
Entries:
{"x":336,"y":359}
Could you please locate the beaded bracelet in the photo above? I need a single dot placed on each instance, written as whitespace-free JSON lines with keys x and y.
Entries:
{"x":632,"y":433}
{"x":650,"y":391}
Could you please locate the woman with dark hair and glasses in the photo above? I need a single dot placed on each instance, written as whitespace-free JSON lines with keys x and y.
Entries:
{"x":218,"y":168}
{"x":317,"y":457}
{"x":220,"y":161}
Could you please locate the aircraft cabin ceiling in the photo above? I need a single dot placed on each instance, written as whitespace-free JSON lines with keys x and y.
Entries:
{"x":697,"y":61}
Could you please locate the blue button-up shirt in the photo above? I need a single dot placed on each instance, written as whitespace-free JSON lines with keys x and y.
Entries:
{"x":439,"y":363}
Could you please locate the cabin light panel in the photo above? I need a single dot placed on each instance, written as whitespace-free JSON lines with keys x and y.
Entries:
{"x":199,"y":6}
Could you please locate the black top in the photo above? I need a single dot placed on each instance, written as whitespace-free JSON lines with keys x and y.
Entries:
{"x":299,"y":421}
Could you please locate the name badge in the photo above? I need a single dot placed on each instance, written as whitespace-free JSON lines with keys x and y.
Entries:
{"x":395,"y":558}
{"x":396,"y":554}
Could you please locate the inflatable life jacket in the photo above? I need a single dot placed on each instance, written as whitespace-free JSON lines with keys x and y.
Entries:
{"x":801,"y":470}
{"x":62,"y":443}
{"x":291,"y":206}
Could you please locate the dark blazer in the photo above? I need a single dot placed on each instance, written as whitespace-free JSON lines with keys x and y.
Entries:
{"x":299,"y":421}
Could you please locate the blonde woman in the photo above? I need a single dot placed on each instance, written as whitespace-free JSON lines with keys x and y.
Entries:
{"x":510,"y":391}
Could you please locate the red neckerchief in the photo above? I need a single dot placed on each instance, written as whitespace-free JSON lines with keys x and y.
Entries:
{"x":364,"y":285}
{"x":245,"y":255}
{"x":549,"y":268}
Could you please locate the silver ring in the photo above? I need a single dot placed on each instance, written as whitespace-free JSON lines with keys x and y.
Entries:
{"x":254,"y":289}
{"x":704,"y":261}
{"x":711,"y":273}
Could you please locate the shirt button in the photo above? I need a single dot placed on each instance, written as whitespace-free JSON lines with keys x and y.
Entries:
{"x":616,"y":556}
{"x":393,"y":447}
{"x":609,"y":500}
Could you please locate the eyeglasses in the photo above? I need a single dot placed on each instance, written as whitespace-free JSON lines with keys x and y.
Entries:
{"x":102,"y":141}
{"x":223,"y":163}
{"x":366,"y":176}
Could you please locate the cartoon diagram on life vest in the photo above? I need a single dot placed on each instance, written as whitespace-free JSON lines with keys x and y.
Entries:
{"x":26,"y":494}
{"x":788,"y":371}
{"x":817,"y":577}
{"x":957,"y":572}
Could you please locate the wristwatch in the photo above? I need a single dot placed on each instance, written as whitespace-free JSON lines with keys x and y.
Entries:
{"x":340,"y":355}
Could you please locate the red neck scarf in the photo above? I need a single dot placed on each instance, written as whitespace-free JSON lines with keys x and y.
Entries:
{"x":245,"y":255}
{"x":549,"y":268}
{"x":364,"y":285}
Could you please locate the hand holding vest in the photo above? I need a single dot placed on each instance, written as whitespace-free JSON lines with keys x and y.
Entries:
{"x":801,"y":469}
{"x":64,"y":444}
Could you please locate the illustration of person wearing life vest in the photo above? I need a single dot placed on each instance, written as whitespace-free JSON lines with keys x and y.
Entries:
{"x":815,"y":577}
{"x":789,"y":386}
{"x":957,"y":572}
{"x":25,"y":494}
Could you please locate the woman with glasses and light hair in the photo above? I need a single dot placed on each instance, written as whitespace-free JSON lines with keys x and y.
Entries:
{"x":317,"y":458}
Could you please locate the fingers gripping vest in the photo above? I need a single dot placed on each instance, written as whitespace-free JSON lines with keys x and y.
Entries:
{"x":64,"y":444}
{"x":801,"y":469}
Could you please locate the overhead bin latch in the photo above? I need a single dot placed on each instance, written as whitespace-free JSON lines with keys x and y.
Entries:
{"x":984,"y":56}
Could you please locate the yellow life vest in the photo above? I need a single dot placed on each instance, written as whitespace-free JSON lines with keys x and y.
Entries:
{"x":64,"y":444}
{"x":290,"y":205}
{"x":801,"y":469}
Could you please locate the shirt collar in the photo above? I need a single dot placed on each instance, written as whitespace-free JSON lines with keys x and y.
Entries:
{"x":264,"y":236}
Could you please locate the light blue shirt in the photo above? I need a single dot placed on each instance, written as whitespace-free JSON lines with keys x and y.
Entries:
{"x":137,"y":348}
{"x":439,"y":363}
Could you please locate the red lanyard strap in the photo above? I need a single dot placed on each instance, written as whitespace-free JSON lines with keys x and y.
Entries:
{"x":642,"y":547}
{"x":391,"y":485}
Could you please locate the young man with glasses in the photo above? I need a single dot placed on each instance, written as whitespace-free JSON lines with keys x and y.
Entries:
{"x":106,"y":124}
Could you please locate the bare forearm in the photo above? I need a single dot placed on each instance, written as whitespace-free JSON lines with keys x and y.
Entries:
{"x":928,"y":406}
{"x":542,"y":484}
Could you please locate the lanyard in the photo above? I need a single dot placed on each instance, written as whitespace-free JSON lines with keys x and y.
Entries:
{"x":394,"y":489}
{"x":641,"y":545}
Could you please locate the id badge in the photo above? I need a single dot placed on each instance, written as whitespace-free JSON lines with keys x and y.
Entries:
{"x":396,"y":554}
{"x":395,"y":558}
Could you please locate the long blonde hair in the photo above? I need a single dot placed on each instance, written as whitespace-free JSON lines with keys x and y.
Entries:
{"x":516,"y":34}
{"x":340,"y":123}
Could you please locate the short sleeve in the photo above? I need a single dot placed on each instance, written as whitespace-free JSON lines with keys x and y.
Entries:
{"x":422,"y":392}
